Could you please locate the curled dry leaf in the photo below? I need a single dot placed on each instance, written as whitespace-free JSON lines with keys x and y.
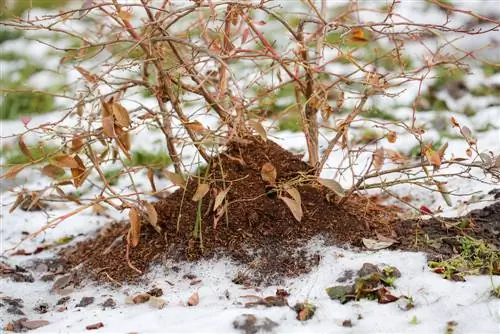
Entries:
{"x":294,"y":206}
{"x":24,"y":148}
{"x":175,"y":178}
{"x":268,"y":173}
{"x":378,"y":244}
{"x":79,"y":174}
{"x":245,"y":35}
{"x":392,"y":136}
{"x":92,"y":78}
{"x":76,"y":144}
{"x":152,"y":215}
{"x":435,"y":160}
{"x":378,"y":158}
{"x":201,"y":191}
{"x":135,"y":226}
{"x":220,"y":198}
{"x":294,"y":193}
{"x":18,"y":201}
{"x":52,"y":171}
{"x":259,"y":129}
{"x":194,"y":299}
{"x":108,"y":126}
{"x":196,"y":127}
{"x":442,"y":149}
{"x":358,"y":35}
{"x":121,"y":115}
{"x":151,"y":179}
{"x":13,"y":171}
{"x":333,"y":186}
{"x":454,"y":122}
{"x":65,"y":161}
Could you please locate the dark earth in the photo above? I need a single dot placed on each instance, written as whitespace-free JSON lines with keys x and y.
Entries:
{"x":259,"y":229}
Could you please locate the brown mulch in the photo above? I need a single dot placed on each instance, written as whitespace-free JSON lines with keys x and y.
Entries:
{"x":260,"y":230}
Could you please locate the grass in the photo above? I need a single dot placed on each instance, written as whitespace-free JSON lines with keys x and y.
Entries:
{"x":14,"y":156}
{"x":375,"y":112}
{"x":14,"y":105}
{"x":475,"y":258}
{"x":158,"y":160}
{"x":290,"y":122}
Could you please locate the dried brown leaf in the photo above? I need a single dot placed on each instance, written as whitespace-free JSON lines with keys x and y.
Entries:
{"x":152,"y":215}
{"x":220,"y":198}
{"x":108,"y":126}
{"x":87,"y":75}
{"x":194,"y":299}
{"x":294,"y":207}
{"x":65,"y":161}
{"x":333,"y":186}
{"x":151,"y":178}
{"x":392,"y":136}
{"x":18,"y":201}
{"x":294,"y":193}
{"x":259,"y":129}
{"x":196,"y":127}
{"x":76,"y":144}
{"x":121,"y":115}
{"x":201,"y":191}
{"x":268,"y":173}
{"x":378,"y":158}
{"x":135,"y":226}
{"x":175,"y":178}
{"x":52,"y":171}
{"x":24,"y":148}
{"x":13,"y":171}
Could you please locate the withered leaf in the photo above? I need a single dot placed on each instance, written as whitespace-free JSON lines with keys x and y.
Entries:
{"x":135,"y":226}
{"x":194,"y":299}
{"x":65,"y":161}
{"x":294,"y":193}
{"x":392,"y":136}
{"x":52,"y":171}
{"x":268,"y":173}
{"x":121,"y":115}
{"x":13,"y":171}
{"x":108,"y":126}
{"x":152,"y":215}
{"x":196,"y":127}
{"x":259,"y":129}
{"x":220,"y":198}
{"x":333,"y":186}
{"x":18,"y":201}
{"x":377,"y":244}
{"x":87,"y":75}
{"x":175,"y":178}
{"x":24,"y":148}
{"x":378,"y":158}
{"x":358,"y":35}
{"x":76,"y":144}
{"x":201,"y":191}
{"x":151,"y":179}
{"x":294,"y":206}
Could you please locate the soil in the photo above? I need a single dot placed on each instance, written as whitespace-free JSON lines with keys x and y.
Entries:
{"x":258,"y":229}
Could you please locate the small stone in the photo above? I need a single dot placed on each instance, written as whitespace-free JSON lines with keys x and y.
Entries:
{"x":85,"y":301}
{"x":22,"y":278}
{"x":95,"y":326}
{"x":41,"y":268}
{"x":155,"y":292}
{"x":63,"y":300}
{"x":62,"y":282}
{"x":42,"y":308}
{"x":346,"y":276}
{"x":250,"y":324}
{"x":34,"y":324}
{"x":368,"y":269}
{"x":110,"y":302}
{"x":14,"y":302}
{"x":61,"y":309}
{"x":48,"y":277}
{"x":15,"y":310}
{"x":138,"y":299}
{"x":157,"y":302}
{"x":347,"y":323}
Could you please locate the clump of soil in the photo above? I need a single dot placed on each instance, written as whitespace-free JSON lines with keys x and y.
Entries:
{"x":259,"y":229}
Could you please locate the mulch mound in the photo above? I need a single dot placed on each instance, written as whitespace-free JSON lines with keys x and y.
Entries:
{"x":259,"y":231}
